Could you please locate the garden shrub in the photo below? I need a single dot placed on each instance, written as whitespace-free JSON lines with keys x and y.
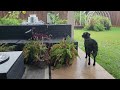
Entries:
{"x":12,"y":18}
{"x":63,"y":53}
{"x":55,"y":19}
{"x":6,"y":47}
{"x":77,"y":17}
{"x":34,"y":51}
{"x":10,"y":21}
{"x":98,"y":23}
{"x":60,"y":21}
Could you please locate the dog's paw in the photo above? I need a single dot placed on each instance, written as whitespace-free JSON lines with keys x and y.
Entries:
{"x":89,"y":63}
{"x":93,"y":64}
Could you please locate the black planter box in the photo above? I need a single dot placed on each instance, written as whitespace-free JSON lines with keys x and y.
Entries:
{"x":14,"y":67}
{"x":16,"y":34}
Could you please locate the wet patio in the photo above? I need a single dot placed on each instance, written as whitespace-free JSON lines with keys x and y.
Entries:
{"x":80,"y":70}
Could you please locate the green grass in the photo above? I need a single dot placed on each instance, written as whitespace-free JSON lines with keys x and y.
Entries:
{"x":109,"y":48}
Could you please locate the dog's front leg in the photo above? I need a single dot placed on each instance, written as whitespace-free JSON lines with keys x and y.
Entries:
{"x":86,"y":55}
{"x":94,"y":62}
{"x":89,"y":59}
{"x":85,"y":52}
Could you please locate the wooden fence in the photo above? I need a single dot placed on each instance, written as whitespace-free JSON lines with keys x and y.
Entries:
{"x":42,"y":15}
{"x":115,"y":17}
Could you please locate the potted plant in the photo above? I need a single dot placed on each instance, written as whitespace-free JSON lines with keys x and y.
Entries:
{"x":63,"y":54}
{"x":35,"y":53}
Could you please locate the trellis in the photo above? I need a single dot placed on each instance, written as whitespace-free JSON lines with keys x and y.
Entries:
{"x":90,"y":14}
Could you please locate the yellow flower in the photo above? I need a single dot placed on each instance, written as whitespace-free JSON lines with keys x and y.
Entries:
{"x":23,"y":12}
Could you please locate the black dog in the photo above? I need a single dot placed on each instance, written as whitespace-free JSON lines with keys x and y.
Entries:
{"x":91,"y":46}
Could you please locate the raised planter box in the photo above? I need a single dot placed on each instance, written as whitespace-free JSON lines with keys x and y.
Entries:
{"x":16,"y":34}
{"x":14,"y":67}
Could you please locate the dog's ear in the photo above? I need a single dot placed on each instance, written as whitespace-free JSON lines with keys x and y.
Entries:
{"x":83,"y":35}
{"x":89,"y":34}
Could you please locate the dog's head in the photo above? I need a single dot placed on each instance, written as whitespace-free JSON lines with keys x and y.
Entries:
{"x":86,"y":35}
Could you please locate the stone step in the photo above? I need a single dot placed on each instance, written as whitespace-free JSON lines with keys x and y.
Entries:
{"x":36,"y":73}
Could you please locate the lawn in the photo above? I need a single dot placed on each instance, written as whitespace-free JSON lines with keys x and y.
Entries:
{"x":109,"y":48}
